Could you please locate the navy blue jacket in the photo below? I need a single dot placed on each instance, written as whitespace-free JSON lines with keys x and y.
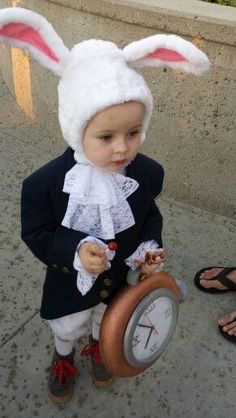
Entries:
{"x":42,"y":210}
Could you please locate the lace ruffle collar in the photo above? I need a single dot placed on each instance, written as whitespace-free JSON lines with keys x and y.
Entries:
{"x":97,"y":202}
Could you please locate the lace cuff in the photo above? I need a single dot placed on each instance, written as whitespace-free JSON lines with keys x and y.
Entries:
{"x":140,"y":253}
{"x":86,"y":280}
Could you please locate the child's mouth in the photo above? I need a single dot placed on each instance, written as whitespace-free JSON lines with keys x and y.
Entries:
{"x":119,"y":162}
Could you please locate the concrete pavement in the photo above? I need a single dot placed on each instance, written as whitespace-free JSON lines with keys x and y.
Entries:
{"x":194,"y":377}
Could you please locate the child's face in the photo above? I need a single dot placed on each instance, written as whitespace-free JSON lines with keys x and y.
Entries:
{"x":112,"y":137}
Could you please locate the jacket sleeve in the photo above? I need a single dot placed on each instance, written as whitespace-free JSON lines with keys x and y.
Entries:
{"x":48,"y":240}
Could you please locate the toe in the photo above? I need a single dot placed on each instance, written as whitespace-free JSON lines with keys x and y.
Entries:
{"x":230,"y":328}
{"x":227,"y":319}
{"x":209,"y":274}
{"x":212,"y":284}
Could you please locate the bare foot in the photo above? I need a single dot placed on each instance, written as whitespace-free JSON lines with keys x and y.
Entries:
{"x":228,"y":322}
{"x":206,"y":276}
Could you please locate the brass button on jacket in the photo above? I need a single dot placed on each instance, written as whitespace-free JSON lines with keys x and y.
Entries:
{"x":65,"y":270}
{"x":107,"y":282}
{"x":104,"y":294}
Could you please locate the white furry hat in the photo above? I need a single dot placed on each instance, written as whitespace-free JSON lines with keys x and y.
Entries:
{"x":96,"y":74}
{"x":103,"y":79}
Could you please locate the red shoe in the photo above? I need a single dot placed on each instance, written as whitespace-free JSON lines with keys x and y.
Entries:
{"x":102,"y":378}
{"x":61,"y":380}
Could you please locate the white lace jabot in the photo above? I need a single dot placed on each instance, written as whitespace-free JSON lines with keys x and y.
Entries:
{"x":97,"y":203}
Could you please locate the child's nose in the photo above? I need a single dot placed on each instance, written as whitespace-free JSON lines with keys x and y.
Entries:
{"x":121,"y":145}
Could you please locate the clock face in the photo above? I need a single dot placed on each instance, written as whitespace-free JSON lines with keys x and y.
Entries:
{"x":150,"y":327}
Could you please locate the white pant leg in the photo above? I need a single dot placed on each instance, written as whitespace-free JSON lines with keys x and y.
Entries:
{"x":97,"y":315}
{"x":71,"y":327}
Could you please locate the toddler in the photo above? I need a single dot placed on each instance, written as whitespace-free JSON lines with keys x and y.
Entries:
{"x":101,"y":189}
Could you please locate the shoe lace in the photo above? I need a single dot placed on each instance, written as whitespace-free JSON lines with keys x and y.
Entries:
{"x":92,"y":349}
{"x":63,"y":370}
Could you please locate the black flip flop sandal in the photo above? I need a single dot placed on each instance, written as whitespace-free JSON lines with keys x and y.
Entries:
{"x":221,"y":277}
{"x":225,"y":333}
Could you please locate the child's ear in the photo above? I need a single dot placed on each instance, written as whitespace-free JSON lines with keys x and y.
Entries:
{"x":28,"y":30}
{"x":169,"y":51}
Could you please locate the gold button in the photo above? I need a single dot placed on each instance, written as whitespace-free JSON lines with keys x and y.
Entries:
{"x":104,"y":294}
{"x":65,"y":270}
{"x":107,"y":282}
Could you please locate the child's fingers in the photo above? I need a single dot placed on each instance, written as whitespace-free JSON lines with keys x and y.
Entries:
{"x":97,"y":266}
{"x":95,"y":250}
{"x":162,"y":255}
{"x":93,"y":258}
{"x":97,"y":261}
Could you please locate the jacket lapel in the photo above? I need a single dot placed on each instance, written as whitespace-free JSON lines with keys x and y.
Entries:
{"x":139,"y":200}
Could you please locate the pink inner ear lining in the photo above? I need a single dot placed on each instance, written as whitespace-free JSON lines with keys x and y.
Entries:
{"x":166,"y":55}
{"x":25,"y":33}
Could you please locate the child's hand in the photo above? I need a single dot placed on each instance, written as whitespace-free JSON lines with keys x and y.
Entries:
{"x":161,"y":256}
{"x":93,"y":258}
{"x":147,"y":269}
{"x":152,"y":262}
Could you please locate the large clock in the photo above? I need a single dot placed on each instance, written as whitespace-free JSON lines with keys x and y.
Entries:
{"x":139,"y":324}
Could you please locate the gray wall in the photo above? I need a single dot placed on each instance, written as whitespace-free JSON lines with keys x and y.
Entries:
{"x":192,"y":132}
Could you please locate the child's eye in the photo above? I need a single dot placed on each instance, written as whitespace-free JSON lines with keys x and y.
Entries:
{"x":133,"y":133}
{"x":106,"y":137}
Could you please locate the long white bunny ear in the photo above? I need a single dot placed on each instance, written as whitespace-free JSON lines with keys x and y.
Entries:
{"x":25,"y":29}
{"x":169,"y":51}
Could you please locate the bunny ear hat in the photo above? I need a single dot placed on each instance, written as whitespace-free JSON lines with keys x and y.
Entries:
{"x":96,"y":74}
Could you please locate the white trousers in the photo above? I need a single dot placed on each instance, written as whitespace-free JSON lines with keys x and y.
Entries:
{"x":73,"y":326}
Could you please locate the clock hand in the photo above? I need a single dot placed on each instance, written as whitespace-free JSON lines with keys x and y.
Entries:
{"x":150,"y":333}
{"x":152,"y":324}
{"x":145,"y":326}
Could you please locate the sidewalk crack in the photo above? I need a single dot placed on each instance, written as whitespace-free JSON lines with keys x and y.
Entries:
{"x":10,"y":337}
